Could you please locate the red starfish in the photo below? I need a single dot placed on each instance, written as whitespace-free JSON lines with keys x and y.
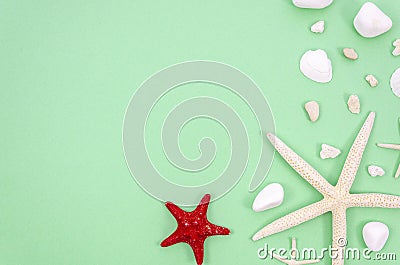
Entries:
{"x":193,"y":228}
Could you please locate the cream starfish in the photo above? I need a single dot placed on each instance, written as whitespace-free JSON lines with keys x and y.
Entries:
{"x":293,"y":253}
{"x":394,"y":147}
{"x":336,"y":198}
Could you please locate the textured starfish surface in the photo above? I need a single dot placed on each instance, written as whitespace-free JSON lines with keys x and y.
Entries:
{"x":394,"y":147}
{"x":336,"y":198}
{"x":293,"y":260}
{"x":193,"y":228}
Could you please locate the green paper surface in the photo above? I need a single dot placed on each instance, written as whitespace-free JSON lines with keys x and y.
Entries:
{"x":68,"y":70}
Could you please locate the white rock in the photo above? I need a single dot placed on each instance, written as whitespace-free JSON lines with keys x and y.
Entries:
{"x":318,"y":27}
{"x":328,"y":151}
{"x":371,"y":21}
{"x":269,"y":197}
{"x":350,"y":53}
{"x":395,"y":82}
{"x":373,"y":82}
{"x":312,"y":109}
{"x":375,"y":235}
{"x":375,"y":171}
{"x":316,"y":66}
{"x":396,"y":44}
{"x":354,"y":104}
{"x":316,"y":4}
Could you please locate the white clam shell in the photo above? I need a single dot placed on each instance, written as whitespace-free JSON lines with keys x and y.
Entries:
{"x":375,"y":235}
{"x":316,"y":4}
{"x":395,"y":82}
{"x":316,"y":66}
{"x":269,"y":197}
{"x":371,"y":21}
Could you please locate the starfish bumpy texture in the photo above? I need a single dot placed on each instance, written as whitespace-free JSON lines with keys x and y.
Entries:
{"x":336,"y":198}
{"x":193,"y":228}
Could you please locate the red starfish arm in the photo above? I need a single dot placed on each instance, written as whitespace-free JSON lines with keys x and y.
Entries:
{"x":203,"y":205}
{"x":198,"y":249}
{"x":172,"y":239}
{"x":218,"y":230}
{"x":175,"y":210}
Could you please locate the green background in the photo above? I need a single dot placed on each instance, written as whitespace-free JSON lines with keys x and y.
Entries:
{"x":68,"y":70}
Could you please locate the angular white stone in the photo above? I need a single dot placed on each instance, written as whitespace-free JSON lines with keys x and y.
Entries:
{"x":312,"y":109}
{"x":269,"y":197}
{"x":316,"y":4}
{"x":375,"y":171}
{"x":395,"y":82}
{"x":371,"y":21}
{"x":354,"y":104}
{"x":316,"y":66}
{"x":375,"y":235}
{"x":328,"y":151}
{"x":318,"y":27}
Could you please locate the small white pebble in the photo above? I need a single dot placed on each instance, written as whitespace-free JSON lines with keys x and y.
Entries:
{"x":354,"y":104}
{"x":396,"y":44}
{"x":312,"y":109}
{"x":375,"y":171}
{"x":373,"y":82}
{"x":269,"y":197}
{"x":328,"y":151}
{"x":350,"y":53}
{"x":318,"y":27}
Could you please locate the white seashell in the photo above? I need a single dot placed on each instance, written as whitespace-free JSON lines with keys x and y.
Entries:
{"x":269,"y":197}
{"x":350,"y":53}
{"x":312,"y":109}
{"x":318,"y":27}
{"x":316,"y":66}
{"x":395,"y":82}
{"x":354,"y":104}
{"x":371,"y":21}
{"x":373,"y":82}
{"x":316,"y":4}
{"x":375,"y":235}
{"x":328,"y":151}
{"x":375,"y":171}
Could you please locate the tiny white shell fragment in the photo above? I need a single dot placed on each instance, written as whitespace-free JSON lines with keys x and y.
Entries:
{"x":375,"y":235}
{"x":269,"y":197}
{"x":354,"y":104}
{"x":396,"y":44}
{"x":350,"y":53}
{"x":316,"y":4}
{"x":318,"y":27}
{"x":375,"y":171}
{"x":312,"y":109}
{"x":371,"y":21}
{"x":328,"y":151}
{"x":316,"y":66}
{"x":395,"y":82}
{"x":373,"y":82}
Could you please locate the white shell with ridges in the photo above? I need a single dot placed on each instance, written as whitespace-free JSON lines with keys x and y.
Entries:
{"x":371,"y":21}
{"x":315,"y":4}
{"x":316,"y":66}
{"x":269,"y":197}
{"x":395,"y":82}
{"x":375,"y":235}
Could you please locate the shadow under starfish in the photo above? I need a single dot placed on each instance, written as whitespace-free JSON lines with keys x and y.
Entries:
{"x":336,"y":198}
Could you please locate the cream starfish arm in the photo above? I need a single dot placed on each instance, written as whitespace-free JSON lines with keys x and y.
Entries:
{"x":374,"y":200}
{"x":297,"y":217}
{"x":302,"y":167}
{"x":338,"y":235}
{"x":353,"y":159}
